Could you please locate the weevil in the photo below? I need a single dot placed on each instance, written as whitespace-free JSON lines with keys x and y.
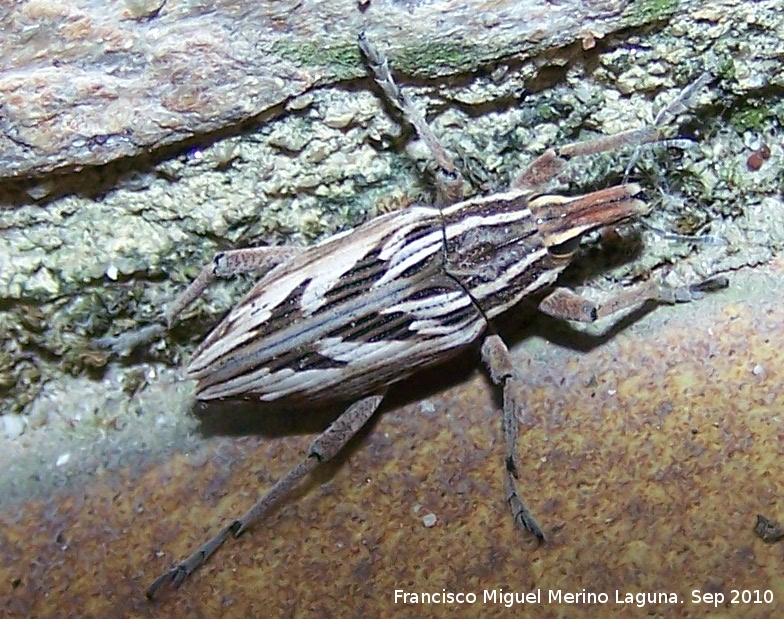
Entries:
{"x":344,"y":319}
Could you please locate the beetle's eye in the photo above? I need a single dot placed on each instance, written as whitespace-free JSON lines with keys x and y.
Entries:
{"x":565,"y":249}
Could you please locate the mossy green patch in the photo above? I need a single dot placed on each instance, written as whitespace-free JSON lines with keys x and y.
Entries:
{"x":437,"y":54}
{"x":752,"y":117}
{"x":343,"y":61}
{"x":645,"y":11}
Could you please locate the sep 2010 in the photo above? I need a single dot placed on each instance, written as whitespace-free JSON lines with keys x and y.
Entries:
{"x":736,"y":596}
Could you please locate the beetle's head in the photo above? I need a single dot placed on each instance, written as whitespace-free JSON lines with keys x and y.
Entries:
{"x":562,"y":220}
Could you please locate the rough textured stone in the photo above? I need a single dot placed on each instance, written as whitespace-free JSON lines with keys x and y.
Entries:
{"x":84,"y":83}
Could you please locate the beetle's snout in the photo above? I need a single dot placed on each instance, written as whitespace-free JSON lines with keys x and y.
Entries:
{"x":562,"y":220}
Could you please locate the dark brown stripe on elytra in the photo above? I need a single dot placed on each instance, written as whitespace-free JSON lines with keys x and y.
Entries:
{"x":354,"y":283}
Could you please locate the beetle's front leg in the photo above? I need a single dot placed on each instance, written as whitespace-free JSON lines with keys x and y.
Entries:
{"x":224,"y":265}
{"x":552,"y":162}
{"x":568,"y":305}
{"x":325,"y":447}
{"x":496,"y":357}
{"x":549,"y":164}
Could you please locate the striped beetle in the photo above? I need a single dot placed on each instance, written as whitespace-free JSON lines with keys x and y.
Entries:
{"x":365,"y":308}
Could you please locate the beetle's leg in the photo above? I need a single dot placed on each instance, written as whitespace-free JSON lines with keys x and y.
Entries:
{"x":448,"y":177}
{"x":566,"y":304}
{"x":325,"y":447}
{"x":227,"y":264}
{"x":496,"y":357}
{"x":549,"y":164}
{"x":224,"y":265}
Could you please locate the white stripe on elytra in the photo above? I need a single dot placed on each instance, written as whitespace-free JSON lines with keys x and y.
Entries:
{"x":372,"y":356}
{"x":327,"y":272}
{"x":399,"y":238}
{"x":431,"y":307}
{"x":432,"y":327}
{"x":410,"y":254}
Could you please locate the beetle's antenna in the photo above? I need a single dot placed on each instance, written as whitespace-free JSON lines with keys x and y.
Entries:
{"x":448,"y":178}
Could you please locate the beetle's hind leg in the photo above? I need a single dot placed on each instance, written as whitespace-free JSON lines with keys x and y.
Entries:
{"x":326,"y":446}
{"x":448,"y":177}
{"x":224,"y":265}
{"x":227,"y":264}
